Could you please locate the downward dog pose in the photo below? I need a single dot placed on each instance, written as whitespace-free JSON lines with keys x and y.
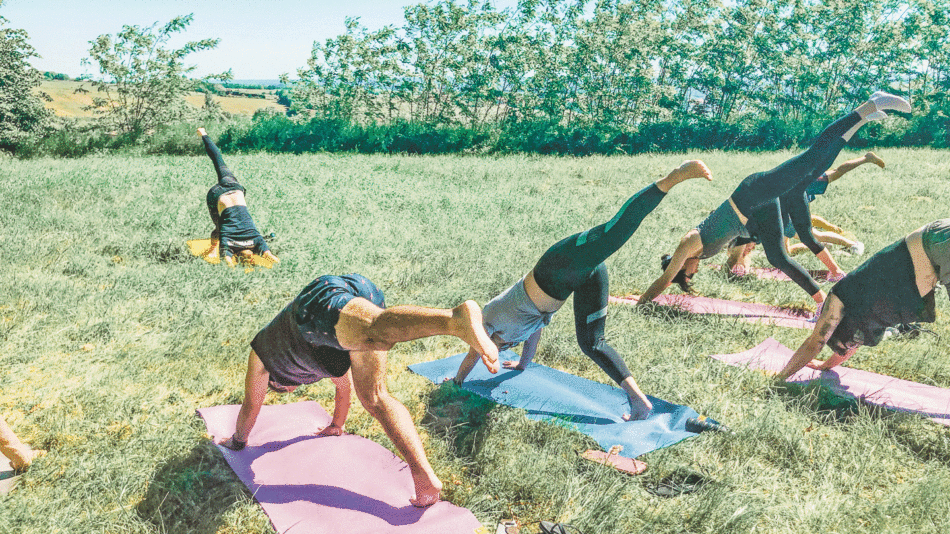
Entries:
{"x":892,"y":287}
{"x":19,"y":454}
{"x":234,"y":228}
{"x":575,"y":265}
{"x":339,"y":328}
{"x":754,"y":206}
{"x":829,"y":233}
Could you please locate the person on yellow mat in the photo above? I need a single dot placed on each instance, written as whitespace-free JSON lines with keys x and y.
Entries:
{"x":894,"y":286}
{"x":338,"y":327}
{"x":19,"y":454}
{"x":234,"y":229}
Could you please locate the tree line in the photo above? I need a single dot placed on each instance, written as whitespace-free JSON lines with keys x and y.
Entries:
{"x":573,"y":76}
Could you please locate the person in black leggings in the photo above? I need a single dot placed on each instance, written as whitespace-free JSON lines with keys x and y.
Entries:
{"x":234,"y":229}
{"x":576,"y":265}
{"x":755,"y":207}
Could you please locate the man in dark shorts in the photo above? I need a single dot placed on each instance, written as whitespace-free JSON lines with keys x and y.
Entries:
{"x":892,"y":287}
{"x":338,"y":327}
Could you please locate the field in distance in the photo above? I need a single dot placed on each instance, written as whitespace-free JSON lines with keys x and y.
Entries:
{"x":70,"y":97}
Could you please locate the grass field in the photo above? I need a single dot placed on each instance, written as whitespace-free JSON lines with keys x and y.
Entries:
{"x":66,"y":102}
{"x":111,"y":335}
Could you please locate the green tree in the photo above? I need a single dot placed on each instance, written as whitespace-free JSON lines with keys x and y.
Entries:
{"x":22,"y":114}
{"x":144,"y":82}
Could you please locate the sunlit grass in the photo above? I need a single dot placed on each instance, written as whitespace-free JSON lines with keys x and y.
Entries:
{"x":111,"y":335}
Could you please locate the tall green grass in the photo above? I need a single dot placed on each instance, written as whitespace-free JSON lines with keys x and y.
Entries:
{"x":111,"y":335}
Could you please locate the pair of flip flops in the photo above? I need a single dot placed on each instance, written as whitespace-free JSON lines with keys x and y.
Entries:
{"x":548,"y":527}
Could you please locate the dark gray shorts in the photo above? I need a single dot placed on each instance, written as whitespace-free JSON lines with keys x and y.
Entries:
{"x":719,"y":229}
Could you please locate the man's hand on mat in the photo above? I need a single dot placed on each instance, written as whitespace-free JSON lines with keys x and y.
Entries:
{"x":330,"y":430}
{"x":426,"y":494}
{"x":513,"y":364}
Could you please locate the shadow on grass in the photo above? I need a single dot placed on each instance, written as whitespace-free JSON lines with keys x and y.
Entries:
{"x":191,"y":493}
{"x":458,"y":415}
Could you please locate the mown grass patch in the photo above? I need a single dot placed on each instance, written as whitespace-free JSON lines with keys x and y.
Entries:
{"x":111,"y":335}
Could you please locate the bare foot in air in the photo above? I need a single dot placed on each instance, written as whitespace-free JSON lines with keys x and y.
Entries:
{"x":873,"y":158}
{"x":689,"y":169}
{"x":467,"y":325}
{"x":640,"y":409}
{"x":512,"y":364}
{"x":427,"y":491}
{"x":202,"y":132}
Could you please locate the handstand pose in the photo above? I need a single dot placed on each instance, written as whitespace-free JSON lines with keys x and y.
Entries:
{"x":892,"y":287}
{"x":827,"y":233}
{"x":576,"y":265}
{"x":754,"y":206}
{"x":234,"y":230}
{"x":19,"y":454}
{"x":338,"y":327}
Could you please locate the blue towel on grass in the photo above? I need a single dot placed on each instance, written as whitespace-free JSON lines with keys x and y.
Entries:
{"x":564,"y":399}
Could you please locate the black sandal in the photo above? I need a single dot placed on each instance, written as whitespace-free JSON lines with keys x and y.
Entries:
{"x":558,"y":528}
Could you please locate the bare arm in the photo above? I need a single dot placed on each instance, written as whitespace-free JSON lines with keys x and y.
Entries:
{"x":255,"y":389}
{"x":831,"y":315}
{"x":821,"y":223}
{"x":341,"y":406}
{"x":528,"y":350}
{"x":690,"y":247}
{"x":467,"y":364}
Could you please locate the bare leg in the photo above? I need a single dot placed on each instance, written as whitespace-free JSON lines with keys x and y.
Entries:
{"x":19,"y":454}
{"x":369,"y":380}
{"x":364,"y":326}
{"x":852,"y":164}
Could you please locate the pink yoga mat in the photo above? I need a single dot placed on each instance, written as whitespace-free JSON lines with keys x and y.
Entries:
{"x":771,"y":273}
{"x":747,"y":311}
{"x":341,"y":484}
{"x":879,"y":390}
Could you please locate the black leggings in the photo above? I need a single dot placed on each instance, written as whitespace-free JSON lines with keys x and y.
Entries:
{"x":226,"y":181}
{"x":761,"y":187}
{"x":576,"y":265}
{"x":766,"y":224}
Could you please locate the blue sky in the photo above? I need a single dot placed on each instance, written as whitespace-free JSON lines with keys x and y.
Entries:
{"x":259,"y":39}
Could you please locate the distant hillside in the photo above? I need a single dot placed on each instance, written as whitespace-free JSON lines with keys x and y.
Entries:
{"x":69,"y":98}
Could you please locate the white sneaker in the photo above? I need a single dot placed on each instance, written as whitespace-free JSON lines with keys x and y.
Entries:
{"x":857,"y":248}
{"x":885,"y":100}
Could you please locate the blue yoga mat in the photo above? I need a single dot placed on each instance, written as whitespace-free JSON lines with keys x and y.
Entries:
{"x":589,"y":407}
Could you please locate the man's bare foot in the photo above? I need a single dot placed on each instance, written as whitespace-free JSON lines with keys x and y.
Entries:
{"x":512,"y":364}
{"x":427,"y":492}
{"x":640,"y":409}
{"x":467,"y":320}
{"x":330,"y":430}
{"x":873,"y":158}
{"x":689,"y":169}
{"x":23,"y":457}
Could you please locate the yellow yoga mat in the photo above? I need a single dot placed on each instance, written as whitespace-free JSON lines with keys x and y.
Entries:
{"x":207,"y":249}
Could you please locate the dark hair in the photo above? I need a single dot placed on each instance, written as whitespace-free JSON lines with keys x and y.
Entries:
{"x":680,"y":278}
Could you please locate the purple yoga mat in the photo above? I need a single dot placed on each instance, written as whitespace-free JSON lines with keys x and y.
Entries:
{"x":327,"y":485}
{"x":879,"y":390}
{"x":771,"y":273}
{"x":746,"y":311}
